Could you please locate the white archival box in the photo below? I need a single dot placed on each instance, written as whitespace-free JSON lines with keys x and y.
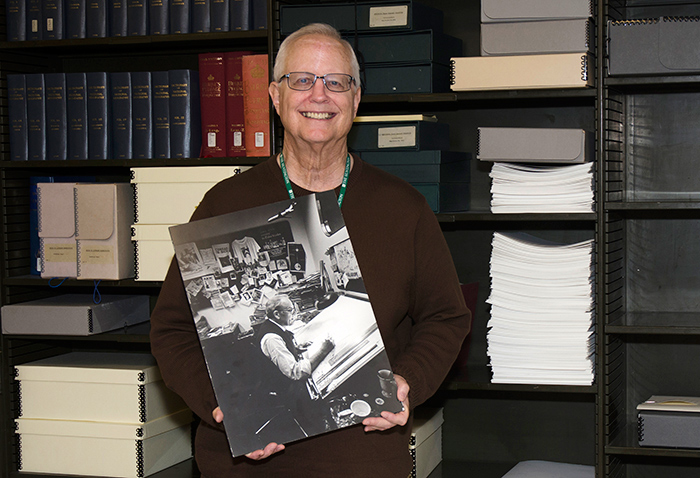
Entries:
{"x":104,"y":448}
{"x":96,"y":386}
{"x":426,"y":440}
{"x":154,"y":251}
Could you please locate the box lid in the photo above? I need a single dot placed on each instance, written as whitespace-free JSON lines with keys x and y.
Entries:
{"x":671,"y":403}
{"x":94,"y":429}
{"x":93,"y":367}
{"x":150,"y":232}
{"x":677,"y":37}
{"x":206,"y":174}
{"x":514,"y":10}
{"x":56,"y":209}
{"x":564,"y":145}
{"x":550,"y":469}
{"x":95,"y":208}
{"x":426,"y":421}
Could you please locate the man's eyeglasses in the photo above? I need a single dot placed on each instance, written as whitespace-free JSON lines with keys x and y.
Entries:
{"x":304,"y":81}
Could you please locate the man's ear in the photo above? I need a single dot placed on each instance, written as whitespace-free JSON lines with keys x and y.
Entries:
{"x":274,"y":90}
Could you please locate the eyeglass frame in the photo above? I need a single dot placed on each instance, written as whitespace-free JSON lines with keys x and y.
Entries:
{"x":317,"y":77}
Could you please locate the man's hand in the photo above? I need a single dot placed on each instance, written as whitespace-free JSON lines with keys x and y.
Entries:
{"x":388,"y":419}
{"x":269,"y":450}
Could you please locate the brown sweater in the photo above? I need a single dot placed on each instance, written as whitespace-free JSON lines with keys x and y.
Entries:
{"x":411,"y":281}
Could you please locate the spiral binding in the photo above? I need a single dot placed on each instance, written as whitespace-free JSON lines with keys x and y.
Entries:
{"x":631,"y":23}
{"x":584,"y":68}
{"x":452,"y":72}
{"x":90,"y":320}
{"x":139,"y":458}
{"x":589,"y":28}
{"x":478,"y":142}
{"x":19,"y":395}
{"x":681,"y":19}
{"x":77,"y":233}
{"x":136,"y":202}
{"x":640,"y":427}
{"x":142,"y":403}
{"x":139,"y":432}
{"x":136,"y":256}
{"x":18,"y":445}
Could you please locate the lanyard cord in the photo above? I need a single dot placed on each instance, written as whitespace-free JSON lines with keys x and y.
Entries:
{"x":343,"y":185}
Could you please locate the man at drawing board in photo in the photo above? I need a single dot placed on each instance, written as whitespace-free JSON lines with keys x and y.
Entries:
{"x":406,"y":265}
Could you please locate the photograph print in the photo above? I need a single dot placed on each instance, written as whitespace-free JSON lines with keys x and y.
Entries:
{"x":285,"y":323}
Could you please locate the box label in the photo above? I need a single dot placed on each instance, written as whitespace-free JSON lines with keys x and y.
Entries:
{"x":397,"y":137}
{"x":97,"y":255}
{"x":60,"y":253}
{"x":394,"y":16}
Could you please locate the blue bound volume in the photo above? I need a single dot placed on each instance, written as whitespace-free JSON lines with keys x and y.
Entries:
{"x":240,"y":15}
{"x":34,"y":23}
{"x":118,"y":26}
{"x":161,"y":114}
{"x":201,"y":16}
{"x":17,"y":112}
{"x":259,"y":14}
{"x":97,"y":19}
{"x":56,"y":116}
{"x":52,"y":19}
{"x":76,"y":26}
{"x":159,"y":17}
{"x":16,"y":11}
{"x":137,"y":17}
{"x":99,"y":118}
{"x":179,"y":16}
{"x":220,"y":21}
{"x":36,"y":116}
{"x":76,"y":101}
{"x":120,"y":100}
{"x":142,"y":108}
{"x":185,"y":123}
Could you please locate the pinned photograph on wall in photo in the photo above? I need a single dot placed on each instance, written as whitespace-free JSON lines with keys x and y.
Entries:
{"x":284,"y":320}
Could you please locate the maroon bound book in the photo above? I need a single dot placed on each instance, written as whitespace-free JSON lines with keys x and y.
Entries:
{"x":235,"y":130}
{"x":212,"y":87}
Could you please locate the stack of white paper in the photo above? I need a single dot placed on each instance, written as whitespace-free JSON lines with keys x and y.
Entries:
{"x":541,"y":328}
{"x":528,"y":188}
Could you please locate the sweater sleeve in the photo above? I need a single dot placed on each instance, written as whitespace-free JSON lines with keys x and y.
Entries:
{"x":440,"y":318}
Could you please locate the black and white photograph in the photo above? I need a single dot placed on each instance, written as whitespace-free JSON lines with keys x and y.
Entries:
{"x":285,"y":323}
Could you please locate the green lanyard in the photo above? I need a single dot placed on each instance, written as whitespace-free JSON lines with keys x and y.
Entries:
{"x":343,"y":185}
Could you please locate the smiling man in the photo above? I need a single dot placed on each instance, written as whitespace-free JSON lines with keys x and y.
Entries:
{"x":406,"y":267}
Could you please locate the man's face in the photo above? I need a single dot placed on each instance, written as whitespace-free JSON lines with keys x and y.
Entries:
{"x":285,"y":312}
{"x":317,"y":115}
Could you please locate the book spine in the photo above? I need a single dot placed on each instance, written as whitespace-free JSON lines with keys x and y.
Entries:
{"x":76,"y":19}
{"x":185,"y":126}
{"x":161,"y":114}
{"x":212,"y":86}
{"x":120,"y":100}
{"x":201,"y":16}
{"x":17,"y":113}
{"x":159,"y":17}
{"x":99,"y":118}
{"x":259,"y":14}
{"x":96,"y":19}
{"x":36,"y":117}
{"x":76,"y":106}
{"x":179,"y":16}
{"x":118,"y":18}
{"x":53,"y":20}
{"x":220,"y":20}
{"x":240,"y":15}
{"x":34,"y":23}
{"x":256,"y":105}
{"x":142,"y":114}
{"x":235,"y":121}
{"x":56,"y":116}
{"x":16,"y":11}
{"x":137,"y":17}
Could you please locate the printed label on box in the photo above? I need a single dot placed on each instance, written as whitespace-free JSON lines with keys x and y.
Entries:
{"x":397,"y":137}
{"x":97,"y":255}
{"x":60,"y":253}
{"x":395,"y":16}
